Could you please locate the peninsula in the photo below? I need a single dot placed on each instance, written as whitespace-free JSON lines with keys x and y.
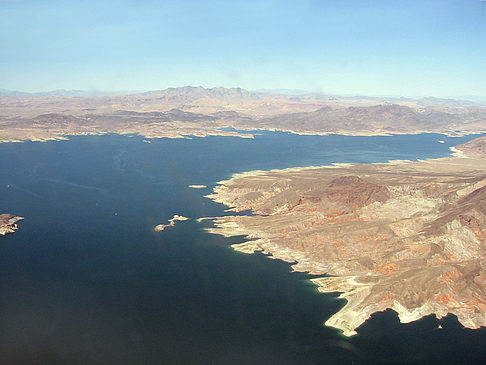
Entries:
{"x":410,"y":236}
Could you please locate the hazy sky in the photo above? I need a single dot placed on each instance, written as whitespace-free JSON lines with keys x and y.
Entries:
{"x":380,"y":47}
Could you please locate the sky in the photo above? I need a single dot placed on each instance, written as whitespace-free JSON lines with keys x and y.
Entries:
{"x":343,"y":47}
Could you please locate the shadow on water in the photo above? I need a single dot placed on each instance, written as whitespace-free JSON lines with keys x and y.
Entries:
{"x":86,"y":280}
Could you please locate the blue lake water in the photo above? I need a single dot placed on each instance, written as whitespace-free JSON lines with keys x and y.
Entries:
{"x":86,"y":280}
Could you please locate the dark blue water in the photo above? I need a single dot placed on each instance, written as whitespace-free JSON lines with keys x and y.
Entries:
{"x":86,"y":280}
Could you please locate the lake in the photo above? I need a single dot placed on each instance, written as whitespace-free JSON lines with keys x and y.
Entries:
{"x":86,"y":280}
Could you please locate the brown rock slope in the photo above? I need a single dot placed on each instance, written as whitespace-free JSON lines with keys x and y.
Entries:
{"x":406,"y":235}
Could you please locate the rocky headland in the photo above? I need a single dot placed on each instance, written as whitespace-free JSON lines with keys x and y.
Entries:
{"x":410,"y":236}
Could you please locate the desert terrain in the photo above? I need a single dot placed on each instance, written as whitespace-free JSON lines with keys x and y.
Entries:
{"x":197,"y":111}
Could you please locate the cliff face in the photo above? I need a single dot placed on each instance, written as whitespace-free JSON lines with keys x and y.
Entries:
{"x":408,"y":236}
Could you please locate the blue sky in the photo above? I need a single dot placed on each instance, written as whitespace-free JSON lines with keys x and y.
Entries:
{"x":380,"y":47}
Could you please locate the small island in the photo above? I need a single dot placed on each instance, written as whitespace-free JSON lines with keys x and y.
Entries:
{"x":8,"y":223}
{"x":172,"y":221}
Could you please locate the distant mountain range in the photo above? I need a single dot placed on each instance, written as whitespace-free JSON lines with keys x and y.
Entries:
{"x":63,"y":92}
{"x":190,"y":93}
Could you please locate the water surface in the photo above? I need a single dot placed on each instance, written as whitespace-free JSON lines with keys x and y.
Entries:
{"x":86,"y":280}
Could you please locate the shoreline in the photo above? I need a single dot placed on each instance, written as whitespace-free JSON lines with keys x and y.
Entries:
{"x":177,"y":134}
